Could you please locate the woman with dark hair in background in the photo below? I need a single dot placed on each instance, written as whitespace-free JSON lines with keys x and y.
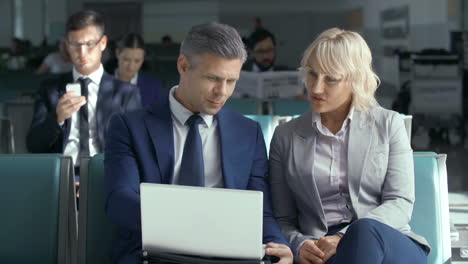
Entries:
{"x":130,"y":55}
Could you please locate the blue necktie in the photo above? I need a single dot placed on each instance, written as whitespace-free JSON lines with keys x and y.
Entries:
{"x":84,"y":124}
{"x":192,"y":171}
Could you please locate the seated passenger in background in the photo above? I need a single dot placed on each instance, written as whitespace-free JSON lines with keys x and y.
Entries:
{"x":56,"y":62}
{"x":64,"y":122}
{"x":166,"y":41}
{"x":341,"y":175}
{"x":16,"y":59}
{"x":262,"y":48}
{"x":188,"y":139}
{"x":130,"y":54}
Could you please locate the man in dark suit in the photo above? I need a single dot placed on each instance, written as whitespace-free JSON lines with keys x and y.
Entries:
{"x":188,"y":139}
{"x":64,"y":122}
{"x":262,"y":47}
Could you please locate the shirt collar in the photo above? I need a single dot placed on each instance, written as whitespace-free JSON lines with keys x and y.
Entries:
{"x":133,"y":81}
{"x":95,"y":76}
{"x":182,"y":114}
{"x":317,"y":121}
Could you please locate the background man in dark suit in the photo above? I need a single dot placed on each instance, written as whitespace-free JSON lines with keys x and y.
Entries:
{"x":64,"y":122}
{"x":188,"y":139}
{"x":262,"y":47}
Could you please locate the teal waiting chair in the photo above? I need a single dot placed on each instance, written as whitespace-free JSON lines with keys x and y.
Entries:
{"x":431,"y":208}
{"x":7,"y":139}
{"x":268,"y":124}
{"x":38,"y":223}
{"x":95,"y":232}
{"x":290,"y":107}
{"x":408,"y":120}
{"x":20,"y":113}
{"x":244,"y":106}
{"x":265,"y":122}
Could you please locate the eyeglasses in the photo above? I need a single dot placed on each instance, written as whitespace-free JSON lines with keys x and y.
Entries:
{"x":89,"y":45}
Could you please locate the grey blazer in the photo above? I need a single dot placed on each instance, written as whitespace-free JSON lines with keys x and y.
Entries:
{"x":380,"y":175}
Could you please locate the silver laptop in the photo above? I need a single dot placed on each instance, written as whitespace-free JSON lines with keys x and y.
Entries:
{"x":207,"y":222}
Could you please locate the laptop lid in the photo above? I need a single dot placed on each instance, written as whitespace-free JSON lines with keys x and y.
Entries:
{"x":207,"y":222}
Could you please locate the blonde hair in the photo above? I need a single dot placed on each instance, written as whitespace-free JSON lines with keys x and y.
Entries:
{"x":345,"y":54}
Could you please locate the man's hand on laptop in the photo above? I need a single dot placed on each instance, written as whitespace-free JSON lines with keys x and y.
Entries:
{"x":281,"y":251}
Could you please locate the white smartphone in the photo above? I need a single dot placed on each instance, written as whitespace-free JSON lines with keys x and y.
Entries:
{"x":74,"y":87}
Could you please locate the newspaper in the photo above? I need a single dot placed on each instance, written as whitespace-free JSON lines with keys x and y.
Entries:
{"x":264,"y":85}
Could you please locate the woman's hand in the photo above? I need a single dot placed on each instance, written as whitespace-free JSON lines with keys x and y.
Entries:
{"x":319,"y":251}
{"x":328,"y":245}
{"x":310,"y":253}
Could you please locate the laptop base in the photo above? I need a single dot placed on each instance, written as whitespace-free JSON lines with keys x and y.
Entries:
{"x":168,"y":258}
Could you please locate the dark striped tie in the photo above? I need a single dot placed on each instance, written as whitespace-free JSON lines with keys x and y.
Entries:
{"x":84,"y":123}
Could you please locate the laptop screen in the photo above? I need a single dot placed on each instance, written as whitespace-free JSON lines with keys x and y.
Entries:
{"x":207,"y":222}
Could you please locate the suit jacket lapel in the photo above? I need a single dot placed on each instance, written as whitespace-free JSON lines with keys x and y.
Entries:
{"x":145,"y":94}
{"x":104,"y":105}
{"x":159,"y":125}
{"x":304,"y":143}
{"x":67,"y":78}
{"x":360,"y":138}
{"x":228,"y":136}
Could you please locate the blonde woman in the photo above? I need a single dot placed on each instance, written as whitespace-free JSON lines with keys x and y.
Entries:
{"x":342,"y":174}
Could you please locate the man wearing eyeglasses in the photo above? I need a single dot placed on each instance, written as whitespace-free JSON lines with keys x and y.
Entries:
{"x":71,"y":111}
{"x":262,"y":48}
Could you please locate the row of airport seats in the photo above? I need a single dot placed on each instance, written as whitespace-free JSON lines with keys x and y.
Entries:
{"x":17,"y":90}
{"x":37,"y":200}
{"x":7,"y":144}
{"x":16,"y":116}
{"x":279,"y":107}
{"x":18,"y":83}
{"x":33,"y":199}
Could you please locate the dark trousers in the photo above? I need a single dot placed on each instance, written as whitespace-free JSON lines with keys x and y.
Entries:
{"x":368,"y":241}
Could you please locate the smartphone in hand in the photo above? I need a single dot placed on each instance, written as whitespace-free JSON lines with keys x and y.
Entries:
{"x":74,"y":87}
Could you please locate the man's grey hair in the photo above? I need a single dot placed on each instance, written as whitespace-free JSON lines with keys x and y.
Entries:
{"x":216,"y":39}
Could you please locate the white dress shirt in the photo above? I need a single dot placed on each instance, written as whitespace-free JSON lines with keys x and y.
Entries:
{"x":330,"y":170}
{"x":209,"y":137}
{"x":72,"y":146}
{"x":56,"y":63}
